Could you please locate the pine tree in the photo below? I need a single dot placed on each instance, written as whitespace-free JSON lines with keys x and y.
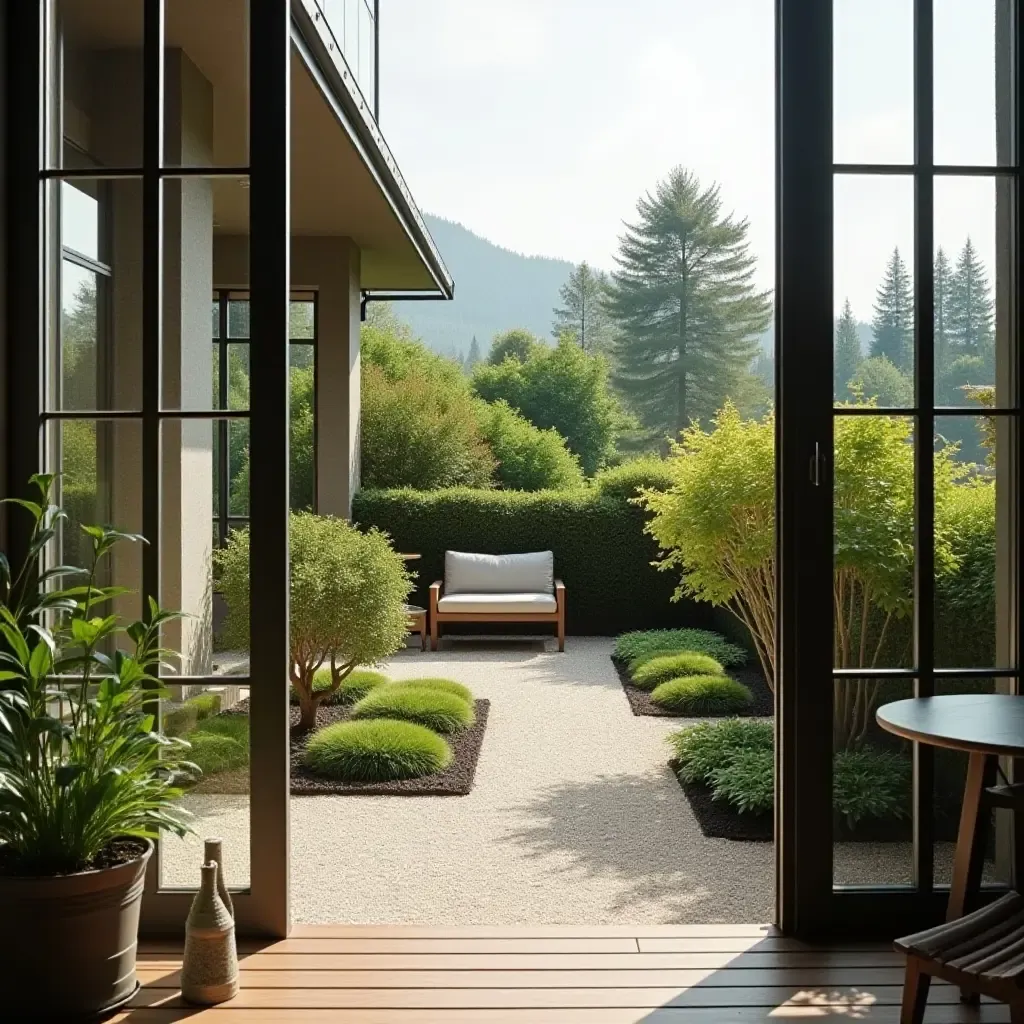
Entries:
{"x":943,"y":282}
{"x":687,"y":313}
{"x":893,"y":323}
{"x":970,"y":309}
{"x":582,"y":313}
{"x":474,"y":355}
{"x":847,"y":355}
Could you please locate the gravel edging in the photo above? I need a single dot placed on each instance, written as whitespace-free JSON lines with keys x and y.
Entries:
{"x":641,"y":705}
{"x":456,"y":780}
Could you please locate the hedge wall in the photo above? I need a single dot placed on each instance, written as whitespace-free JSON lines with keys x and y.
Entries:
{"x":601,"y":551}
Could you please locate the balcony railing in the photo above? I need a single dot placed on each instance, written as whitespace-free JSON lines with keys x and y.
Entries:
{"x":352,"y":25}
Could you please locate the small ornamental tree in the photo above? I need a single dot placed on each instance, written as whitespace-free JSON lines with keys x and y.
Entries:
{"x":716,"y":526}
{"x":348,"y":593}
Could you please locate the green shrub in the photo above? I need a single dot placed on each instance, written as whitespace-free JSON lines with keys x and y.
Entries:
{"x":700,"y":749}
{"x":624,"y":482}
{"x":376,"y":750}
{"x":206,"y":704}
{"x":355,"y":685}
{"x":528,"y":458}
{"x":180,"y":720}
{"x":600,"y":549}
{"x":648,"y":672}
{"x":746,"y":780}
{"x":631,"y":646}
{"x":437,"y":710}
{"x":213,"y":753}
{"x":445,"y":685}
{"x":702,"y":695}
{"x":235,"y":727}
{"x":870,"y":783}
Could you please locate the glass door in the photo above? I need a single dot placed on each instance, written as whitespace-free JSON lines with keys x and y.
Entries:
{"x":899,"y":437}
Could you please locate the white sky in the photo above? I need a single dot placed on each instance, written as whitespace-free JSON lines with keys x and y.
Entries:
{"x":538,"y":123}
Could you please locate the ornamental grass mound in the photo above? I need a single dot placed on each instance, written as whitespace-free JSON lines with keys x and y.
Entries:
{"x":630,"y":647}
{"x":212,"y":753}
{"x":356,"y":685}
{"x":702,"y":695}
{"x":443,"y":685}
{"x":437,"y":710}
{"x":376,"y":750}
{"x":654,"y":670}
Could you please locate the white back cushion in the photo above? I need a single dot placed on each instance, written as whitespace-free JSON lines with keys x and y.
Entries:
{"x":529,"y":573}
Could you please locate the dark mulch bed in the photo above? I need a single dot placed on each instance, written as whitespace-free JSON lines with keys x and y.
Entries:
{"x":640,"y":702}
{"x":455,"y":780}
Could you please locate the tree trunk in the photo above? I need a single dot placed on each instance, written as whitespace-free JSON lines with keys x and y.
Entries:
{"x":308,"y":703}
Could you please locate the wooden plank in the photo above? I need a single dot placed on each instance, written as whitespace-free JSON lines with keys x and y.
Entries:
{"x":855,"y":1000}
{"x":686,"y":944}
{"x":398,"y":962}
{"x":566,"y":931}
{"x":948,"y":1014}
{"x":414,"y":946}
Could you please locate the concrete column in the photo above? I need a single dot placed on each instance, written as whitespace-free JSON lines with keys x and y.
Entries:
{"x":337,"y":378}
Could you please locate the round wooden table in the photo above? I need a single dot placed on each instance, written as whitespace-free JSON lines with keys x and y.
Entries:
{"x":985,"y":726}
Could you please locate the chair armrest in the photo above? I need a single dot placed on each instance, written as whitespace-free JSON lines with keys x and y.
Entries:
{"x":435,"y":594}
{"x":559,"y":591}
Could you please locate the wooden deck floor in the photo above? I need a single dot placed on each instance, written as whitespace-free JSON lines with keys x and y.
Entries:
{"x":656,"y":975}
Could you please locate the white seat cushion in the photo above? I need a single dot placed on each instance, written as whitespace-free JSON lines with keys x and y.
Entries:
{"x":497,"y":604}
{"x":530,"y":573}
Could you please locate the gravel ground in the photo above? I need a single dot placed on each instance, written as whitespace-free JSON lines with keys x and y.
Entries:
{"x":575,"y":818}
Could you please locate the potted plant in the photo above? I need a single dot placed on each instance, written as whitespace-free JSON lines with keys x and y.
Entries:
{"x":86,"y":783}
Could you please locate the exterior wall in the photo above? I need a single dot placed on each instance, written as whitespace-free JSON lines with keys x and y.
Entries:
{"x":331,"y":267}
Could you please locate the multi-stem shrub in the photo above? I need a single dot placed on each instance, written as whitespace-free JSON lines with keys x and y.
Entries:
{"x":648,"y":672}
{"x":376,"y":750}
{"x":437,"y":710}
{"x":702,"y":695}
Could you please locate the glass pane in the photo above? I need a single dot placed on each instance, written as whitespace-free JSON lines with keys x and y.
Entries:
{"x":871,"y":788}
{"x":214,"y":720}
{"x":966,"y":36}
{"x":302,"y":319}
{"x":874,"y":289}
{"x":238,"y":468}
{"x":96,"y":362}
{"x":873,"y":79}
{"x":206,"y":71}
{"x":238,"y":377}
{"x":950,"y":776}
{"x":100,"y":485}
{"x":215,"y":321}
{"x":302,"y":467}
{"x":238,"y":318}
{"x":874,"y":542}
{"x":198,"y":211}
{"x":967,"y":544}
{"x":101,"y":83}
{"x":965,"y":275}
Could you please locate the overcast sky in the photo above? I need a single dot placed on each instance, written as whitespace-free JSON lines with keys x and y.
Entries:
{"x":538,"y":123}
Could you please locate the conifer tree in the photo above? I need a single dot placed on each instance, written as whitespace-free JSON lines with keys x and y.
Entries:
{"x":970,"y":309}
{"x":582,"y":313}
{"x":943,"y":281}
{"x":893,"y":323}
{"x":684,"y":304}
{"x":474,"y":355}
{"x":846,"y":355}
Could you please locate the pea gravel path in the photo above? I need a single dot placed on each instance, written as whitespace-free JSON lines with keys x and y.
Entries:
{"x":575,"y":817}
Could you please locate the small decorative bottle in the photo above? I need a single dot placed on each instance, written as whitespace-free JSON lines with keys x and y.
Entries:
{"x":212,"y":851}
{"x":209,"y":969}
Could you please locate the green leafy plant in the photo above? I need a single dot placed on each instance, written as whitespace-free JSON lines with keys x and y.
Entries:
{"x":626,"y":480}
{"x":700,"y":749}
{"x":870,"y":783}
{"x":649,"y":671}
{"x":348,"y":593}
{"x":746,"y":780}
{"x":630,"y":647}
{"x":445,"y":685}
{"x":702,"y":695}
{"x":355,"y":685}
{"x":81,"y":764}
{"x":437,"y":710}
{"x":376,"y":750}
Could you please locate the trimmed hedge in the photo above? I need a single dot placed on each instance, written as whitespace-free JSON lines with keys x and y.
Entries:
{"x":601,"y":551}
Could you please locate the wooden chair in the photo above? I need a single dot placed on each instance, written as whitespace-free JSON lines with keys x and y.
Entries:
{"x":982,"y":953}
{"x":417,"y":622}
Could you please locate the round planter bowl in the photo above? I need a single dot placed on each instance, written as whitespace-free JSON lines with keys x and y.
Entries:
{"x":67,"y":947}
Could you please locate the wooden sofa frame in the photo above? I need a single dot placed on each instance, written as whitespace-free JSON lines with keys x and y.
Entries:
{"x":439,"y":618}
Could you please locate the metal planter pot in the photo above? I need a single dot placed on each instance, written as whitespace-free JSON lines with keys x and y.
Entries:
{"x":68,"y":942}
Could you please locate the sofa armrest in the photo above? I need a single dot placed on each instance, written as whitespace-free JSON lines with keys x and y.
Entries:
{"x":435,"y":596}
{"x":559,"y":592}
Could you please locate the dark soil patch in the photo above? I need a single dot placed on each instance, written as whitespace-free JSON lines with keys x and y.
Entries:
{"x":640,"y":702}
{"x":455,"y":780}
{"x":114,"y":854}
